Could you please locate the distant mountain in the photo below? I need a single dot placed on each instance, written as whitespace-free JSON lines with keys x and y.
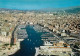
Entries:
{"x":73,"y":10}
{"x":67,"y":10}
{"x":51,"y":9}
{"x":12,"y":10}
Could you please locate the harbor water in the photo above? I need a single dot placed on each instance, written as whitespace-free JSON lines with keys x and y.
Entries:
{"x":27,"y":46}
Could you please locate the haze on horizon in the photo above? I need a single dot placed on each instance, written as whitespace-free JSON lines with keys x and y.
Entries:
{"x":37,"y":4}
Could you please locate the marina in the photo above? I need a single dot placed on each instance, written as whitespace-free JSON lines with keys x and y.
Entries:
{"x":38,"y":41}
{"x":27,"y":46}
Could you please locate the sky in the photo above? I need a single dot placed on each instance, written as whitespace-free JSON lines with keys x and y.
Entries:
{"x":37,"y":4}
